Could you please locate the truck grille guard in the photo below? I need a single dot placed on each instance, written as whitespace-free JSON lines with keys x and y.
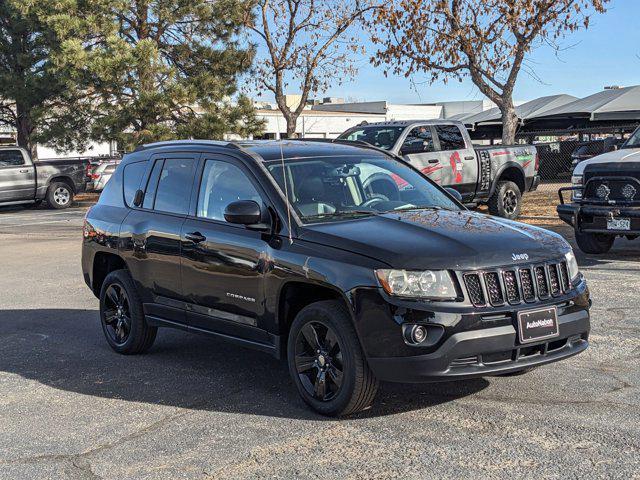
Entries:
{"x":517,"y":285}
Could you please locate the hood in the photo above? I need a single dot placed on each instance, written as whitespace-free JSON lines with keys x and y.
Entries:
{"x":623,"y":155}
{"x":440,"y":239}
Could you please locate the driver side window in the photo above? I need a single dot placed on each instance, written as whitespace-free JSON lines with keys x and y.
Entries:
{"x":223,"y":183}
{"x":419,"y":140}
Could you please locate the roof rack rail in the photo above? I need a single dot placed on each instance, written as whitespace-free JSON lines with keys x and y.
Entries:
{"x":343,"y":141}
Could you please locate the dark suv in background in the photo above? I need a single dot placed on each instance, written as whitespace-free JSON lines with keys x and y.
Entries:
{"x":344,"y":260}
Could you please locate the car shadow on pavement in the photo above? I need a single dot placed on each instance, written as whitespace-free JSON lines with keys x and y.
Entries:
{"x":65,"y":349}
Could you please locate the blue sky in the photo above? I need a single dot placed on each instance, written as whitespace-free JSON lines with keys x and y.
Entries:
{"x":608,"y":53}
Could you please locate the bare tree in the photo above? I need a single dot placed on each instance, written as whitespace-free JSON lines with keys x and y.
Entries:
{"x":307,"y":45}
{"x":487,"y":40}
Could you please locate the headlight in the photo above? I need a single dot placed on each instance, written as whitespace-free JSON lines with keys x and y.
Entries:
{"x":572,"y":265}
{"x":576,"y":181}
{"x":433,"y":284}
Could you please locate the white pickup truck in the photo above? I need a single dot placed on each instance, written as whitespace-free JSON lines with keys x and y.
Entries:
{"x":442,"y":149}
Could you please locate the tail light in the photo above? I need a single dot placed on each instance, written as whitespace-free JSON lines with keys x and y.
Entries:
{"x":537,"y":164}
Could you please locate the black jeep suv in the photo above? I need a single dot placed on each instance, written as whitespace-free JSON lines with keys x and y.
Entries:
{"x":342,"y":259}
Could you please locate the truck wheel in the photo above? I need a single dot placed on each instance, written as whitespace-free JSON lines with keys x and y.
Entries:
{"x":59,"y":195}
{"x":506,"y":200}
{"x":326,"y":361}
{"x":594,"y":242}
{"x":122,"y":317}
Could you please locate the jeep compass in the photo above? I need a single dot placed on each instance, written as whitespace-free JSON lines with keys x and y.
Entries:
{"x":340,"y":258}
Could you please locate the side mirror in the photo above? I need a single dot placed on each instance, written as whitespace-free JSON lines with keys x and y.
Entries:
{"x":454,"y":193}
{"x":243,"y":212}
{"x":139,"y":197}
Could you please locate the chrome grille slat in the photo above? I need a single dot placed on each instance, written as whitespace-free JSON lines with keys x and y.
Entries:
{"x":529,"y":283}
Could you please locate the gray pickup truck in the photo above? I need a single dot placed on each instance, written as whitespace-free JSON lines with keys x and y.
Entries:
{"x":493,"y":175}
{"x":23,"y":181}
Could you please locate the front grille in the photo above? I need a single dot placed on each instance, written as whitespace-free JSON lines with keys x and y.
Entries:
{"x":541,"y":282}
{"x":476,"y":295}
{"x":610,"y":188}
{"x":526,"y":281}
{"x":530,"y":284}
{"x":511,"y":286}
{"x":494,"y":289}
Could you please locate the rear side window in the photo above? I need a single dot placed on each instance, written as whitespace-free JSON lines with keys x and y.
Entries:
{"x":174,"y":186}
{"x":450,"y":137}
{"x":132,"y":177}
{"x":11,"y":158}
{"x":152,"y":185}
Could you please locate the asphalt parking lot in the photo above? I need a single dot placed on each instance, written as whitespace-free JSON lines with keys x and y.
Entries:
{"x":197,"y":408}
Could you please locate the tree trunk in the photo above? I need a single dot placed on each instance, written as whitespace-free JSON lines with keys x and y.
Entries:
{"x":292,"y":120}
{"x":509,"y":122}
{"x":24,"y":128}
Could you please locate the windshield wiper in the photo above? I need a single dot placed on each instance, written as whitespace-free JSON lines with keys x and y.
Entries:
{"x":428,"y":207}
{"x":343,"y":213}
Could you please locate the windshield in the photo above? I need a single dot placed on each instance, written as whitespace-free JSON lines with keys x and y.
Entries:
{"x":335,"y":188}
{"x":381,"y":137}
{"x":633,"y":141}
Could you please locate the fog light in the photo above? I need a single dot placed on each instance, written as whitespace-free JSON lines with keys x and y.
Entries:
{"x":415,"y":334}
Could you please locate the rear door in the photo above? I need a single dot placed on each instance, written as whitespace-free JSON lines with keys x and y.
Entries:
{"x":17,"y":176}
{"x":154,"y":231}
{"x":458,"y":160}
{"x":223,"y":265}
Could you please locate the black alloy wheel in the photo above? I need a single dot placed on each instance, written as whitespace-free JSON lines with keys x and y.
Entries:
{"x":122,"y":315}
{"x":318,"y":360}
{"x":510,"y":202}
{"x":326,"y":361}
{"x":117,"y":314}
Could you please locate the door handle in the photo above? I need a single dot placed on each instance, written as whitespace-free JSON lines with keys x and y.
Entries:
{"x":195,"y":237}
{"x":433,"y":160}
{"x":471,"y":157}
{"x":24,"y":171}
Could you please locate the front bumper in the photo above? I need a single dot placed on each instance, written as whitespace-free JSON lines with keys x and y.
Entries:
{"x":593,"y":218}
{"x":486,"y":352}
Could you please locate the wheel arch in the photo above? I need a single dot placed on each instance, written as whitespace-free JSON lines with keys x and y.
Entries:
{"x":510,"y":171}
{"x":103,"y":264}
{"x":64,"y":179}
{"x":295,"y":295}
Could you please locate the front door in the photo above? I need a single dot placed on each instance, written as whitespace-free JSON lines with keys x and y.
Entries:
{"x":17,"y":176}
{"x":223,"y":265}
{"x":458,"y":160}
{"x":418,"y":148}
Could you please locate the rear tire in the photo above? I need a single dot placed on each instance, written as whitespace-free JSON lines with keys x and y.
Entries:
{"x":506,"y":201}
{"x":333,"y":352}
{"x":59,"y":195}
{"x":122,"y":316}
{"x":596,"y":243}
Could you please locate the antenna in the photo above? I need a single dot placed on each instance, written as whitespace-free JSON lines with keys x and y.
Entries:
{"x":284,"y":181}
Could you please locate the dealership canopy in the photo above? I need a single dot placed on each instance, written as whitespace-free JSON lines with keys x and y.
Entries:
{"x":617,"y":104}
{"x":526,"y":111}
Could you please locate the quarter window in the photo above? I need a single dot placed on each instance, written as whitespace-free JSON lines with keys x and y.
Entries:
{"x":132,"y":178}
{"x":152,"y":185}
{"x":11,"y":158}
{"x":174,"y":186}
{"x":223,"y":183}
{"x":450,"y":137}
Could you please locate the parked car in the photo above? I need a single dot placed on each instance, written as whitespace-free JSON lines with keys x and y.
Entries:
{"x":442,"y":149}
{"x":23,"y":181}
{"x":590,"y":149}
{"x":100,"y":174}
{"x":605,"y":198}
{"x":280,"y":247}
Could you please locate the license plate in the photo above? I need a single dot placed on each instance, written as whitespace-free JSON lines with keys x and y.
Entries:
{"x":619,"y":224}
{"x":538,"y":324}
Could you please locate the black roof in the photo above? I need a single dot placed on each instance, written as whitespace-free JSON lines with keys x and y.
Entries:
{"x":269,"y":150}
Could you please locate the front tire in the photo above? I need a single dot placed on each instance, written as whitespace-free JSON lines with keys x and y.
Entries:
{"x":506,"y":201}
{"x":59,"y":195}
{"x":122,"y":316}
{"x":596,"y":243}
{"x":326,"y":361}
